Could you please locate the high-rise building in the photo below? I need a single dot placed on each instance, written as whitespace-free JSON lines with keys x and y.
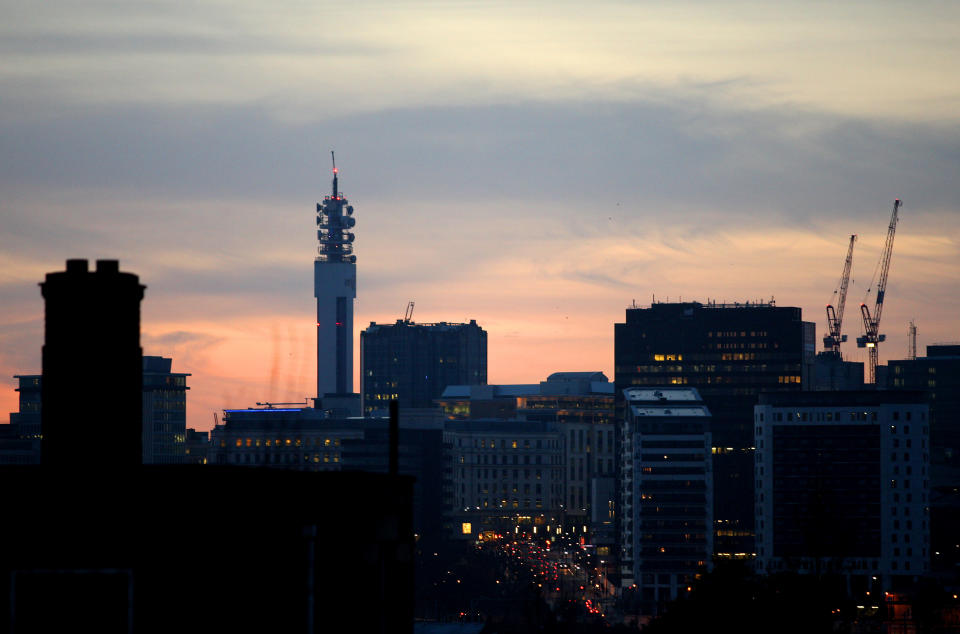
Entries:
{"x":414,"y":363}
{"x":843,"y":486}
{"x":335,"y":287}
{"x":164,"y":412}
{"x":666,"y":487}
{"x":730,"y":353}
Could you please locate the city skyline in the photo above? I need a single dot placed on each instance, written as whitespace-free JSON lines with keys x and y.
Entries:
{"x":539,"y":176}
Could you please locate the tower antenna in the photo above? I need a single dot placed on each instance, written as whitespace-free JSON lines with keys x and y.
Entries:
{"x":334,"y":160}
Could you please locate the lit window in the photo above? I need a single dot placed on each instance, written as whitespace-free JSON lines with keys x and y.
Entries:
{"x":466,"y":528}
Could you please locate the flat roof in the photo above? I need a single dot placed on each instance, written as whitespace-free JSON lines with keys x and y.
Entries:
{"x":670,"y":412}
{"x":661,"y":394}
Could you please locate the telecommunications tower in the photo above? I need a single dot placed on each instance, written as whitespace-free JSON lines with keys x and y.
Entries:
{"x":335,"y":287}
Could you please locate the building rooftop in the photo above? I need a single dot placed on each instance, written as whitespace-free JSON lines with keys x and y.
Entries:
{"x":557,"y":384}
{"x":661,"y":394}
{"x":675,"y":412}
{"x":442,"y":325}
{"x":579,"y":376}
{"x":842,"y":398}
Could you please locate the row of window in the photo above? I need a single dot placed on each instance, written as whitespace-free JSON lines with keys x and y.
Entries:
{"x":482,"y":488}
{"x":499,"y":459}
{"x":293,"y":458}
{"x":736,"y":333}
{"x":486,"y":474}
{"x":283,"y":442}
{"x":820,"y":416}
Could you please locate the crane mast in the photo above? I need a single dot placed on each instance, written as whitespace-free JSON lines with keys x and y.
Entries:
{"x":871,"y":322}
{"x":833,"y":339}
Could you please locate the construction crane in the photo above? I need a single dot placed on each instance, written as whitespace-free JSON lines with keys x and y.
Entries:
{"x":871,"y":322}
{"x":408,"y":314}
{"x":833,"y":338}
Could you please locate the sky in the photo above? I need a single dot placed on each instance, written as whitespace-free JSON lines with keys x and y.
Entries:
{"x":536,"y":166}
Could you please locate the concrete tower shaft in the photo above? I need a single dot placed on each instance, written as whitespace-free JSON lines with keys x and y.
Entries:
{"x":335,"y":287}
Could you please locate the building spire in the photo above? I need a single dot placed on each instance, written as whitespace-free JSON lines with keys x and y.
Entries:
{"x":334,"y":159}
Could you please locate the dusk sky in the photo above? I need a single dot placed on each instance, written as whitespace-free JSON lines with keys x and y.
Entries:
{"x":535,"y":166}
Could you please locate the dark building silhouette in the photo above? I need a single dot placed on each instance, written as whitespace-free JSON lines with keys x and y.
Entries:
{"x":938,"y":376}
{"x":92,"y":331}
{"x":197,"y":446}
{"x":306,"y":439}
{"x":831,"y":372}
{"x":730,"y":353}
{"x":94,"y":541}
{"x":20,"y":440}
{"x":413,"y":363}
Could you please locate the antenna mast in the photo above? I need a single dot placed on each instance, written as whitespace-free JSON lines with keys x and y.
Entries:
{"x":912,"y":341}
{"x":334,"y":160}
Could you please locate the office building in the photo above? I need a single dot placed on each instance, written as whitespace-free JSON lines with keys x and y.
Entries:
{"x":413,"y":363}
{"x":504,"y":477}
{"x":666,"y":491}
{"x":26,"y":422}
{"x":164,"y":412}
{"x":581,"y":405}
{"x":937,"y":375}
{"x":843,"y":485}
{"x":729,"y":353}
{"x":335,"y":287}
{"x":20,"y":440}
